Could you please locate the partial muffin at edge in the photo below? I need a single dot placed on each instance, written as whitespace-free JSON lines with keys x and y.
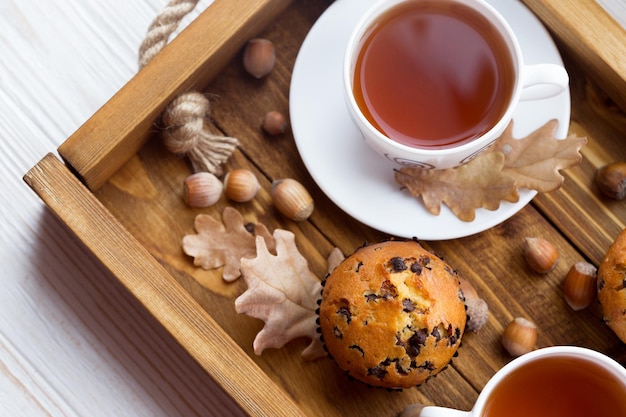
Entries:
{"x":612,"y":286}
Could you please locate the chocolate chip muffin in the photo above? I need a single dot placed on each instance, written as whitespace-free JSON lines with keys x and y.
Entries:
{"x":392,"y":314}
{"x":612,"y":286}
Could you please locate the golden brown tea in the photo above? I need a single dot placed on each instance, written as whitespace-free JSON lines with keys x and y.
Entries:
{"x":433,"y":74}
{"x":558,"y":387}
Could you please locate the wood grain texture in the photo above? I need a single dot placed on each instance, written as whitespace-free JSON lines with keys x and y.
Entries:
{"x":153,"y":286}
{"x":593,"y":36}
{"x":143,"y":199}
{"x":117,"y":131}
{"x":73,"y":341}
{"x":616,"y":9}
{"x":587,"y":217}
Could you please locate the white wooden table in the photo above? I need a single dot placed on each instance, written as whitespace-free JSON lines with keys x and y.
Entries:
{"x":72,"y":341}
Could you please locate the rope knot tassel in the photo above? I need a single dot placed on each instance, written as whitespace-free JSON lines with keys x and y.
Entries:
{"x":185,"y":133}
{"x":186,"y":116}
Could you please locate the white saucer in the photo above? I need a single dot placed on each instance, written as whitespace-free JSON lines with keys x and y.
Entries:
{"x":360,"y":181}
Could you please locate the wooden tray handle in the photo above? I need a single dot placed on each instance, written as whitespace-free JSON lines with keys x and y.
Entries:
{"x":119,"y":129}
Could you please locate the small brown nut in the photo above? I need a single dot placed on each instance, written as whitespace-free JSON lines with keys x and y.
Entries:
{"x":274,"y":123}
{"x":477,"y":308}
{"x":259,"y":57}
{"x":580,"y":285}
{"x":540,"y":254}
{"x":412,"y":410}
{"x":611,"y":180}
{"x":202,"y":189}
{"x":241,"y":185}
{"x":292,"y":199}
{"x":520,"y":336}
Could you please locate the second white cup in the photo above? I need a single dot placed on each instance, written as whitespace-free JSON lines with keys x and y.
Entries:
{"x":558,"y":381}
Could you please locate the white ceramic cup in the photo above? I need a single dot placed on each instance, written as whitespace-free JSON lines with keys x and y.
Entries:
{"x":531,"y":82}
{"x":598,"y":361}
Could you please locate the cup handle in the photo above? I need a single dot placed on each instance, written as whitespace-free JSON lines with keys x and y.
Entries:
{"x":543,"y":81}
{"x":418,"y":410}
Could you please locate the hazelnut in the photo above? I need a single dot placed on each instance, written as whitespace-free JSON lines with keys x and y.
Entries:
{"x":520,"y":336}
{"x":274,"y":123}
{"x":540,"y":254}
{"x":259,"y":57}
{"x":412,"y":410}
{"x":611,"y":180}
{"x":202,"y":189}
{"x":580,"y":285}
{"x":241,"y":185}
{"x":292,"y":199}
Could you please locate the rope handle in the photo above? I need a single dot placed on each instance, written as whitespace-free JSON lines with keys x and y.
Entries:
{"x":185,"y":133}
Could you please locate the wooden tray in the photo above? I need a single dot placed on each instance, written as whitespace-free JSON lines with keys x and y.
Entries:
{"x":120,"y":192}
{"x":588,"y":32}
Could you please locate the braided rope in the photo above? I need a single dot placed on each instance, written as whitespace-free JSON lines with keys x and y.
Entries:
{"x":162,"y":27}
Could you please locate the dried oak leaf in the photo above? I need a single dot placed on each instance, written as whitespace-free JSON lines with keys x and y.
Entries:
{"x":479,"y":183}
{"x":534,"y":161}
{"x":282,"y":292}
{"x":218,"y":244}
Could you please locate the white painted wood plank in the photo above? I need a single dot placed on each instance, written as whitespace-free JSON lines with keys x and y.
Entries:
{"x":72,"y":341}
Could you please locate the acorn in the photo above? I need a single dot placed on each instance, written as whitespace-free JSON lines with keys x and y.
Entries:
{"x":292,"y":199}
{"x":241,"y":185}
{"x":259,"y":57}
{"x":202,"y":189}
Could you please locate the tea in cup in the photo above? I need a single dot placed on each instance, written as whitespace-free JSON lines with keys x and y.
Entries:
{"x":559,"y":381}
{"x":432,"y":83}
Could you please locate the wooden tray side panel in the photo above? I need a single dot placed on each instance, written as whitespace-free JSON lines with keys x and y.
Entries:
{"x":591,"y":35}
{"x":119,"y":129}
{"x":150,"y":283}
